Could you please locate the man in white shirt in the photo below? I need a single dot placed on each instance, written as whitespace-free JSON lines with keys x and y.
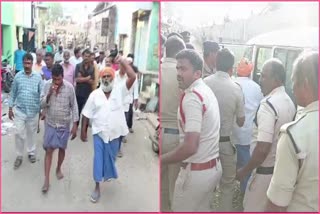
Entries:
{"x":120,"y":78}
{"x":242,"y":136}
{"x":58,"y":57}
{"x":104,"y":108}
{"x":76,"y":59}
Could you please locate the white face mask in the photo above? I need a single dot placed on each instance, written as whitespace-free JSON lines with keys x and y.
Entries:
{"x":106,"y":86}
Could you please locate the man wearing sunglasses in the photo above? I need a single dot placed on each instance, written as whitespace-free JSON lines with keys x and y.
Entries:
{"x":24,"y":107}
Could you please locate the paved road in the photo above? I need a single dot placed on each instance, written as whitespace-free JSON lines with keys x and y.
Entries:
{"x":136,"y":190}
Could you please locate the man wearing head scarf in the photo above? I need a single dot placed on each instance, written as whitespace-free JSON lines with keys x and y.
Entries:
{"x":242,"y":136}
{"x":104,"y":108}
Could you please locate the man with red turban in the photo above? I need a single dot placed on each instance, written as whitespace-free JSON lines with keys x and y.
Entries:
{"x":242,"y":136}
{"x":105,"y":109}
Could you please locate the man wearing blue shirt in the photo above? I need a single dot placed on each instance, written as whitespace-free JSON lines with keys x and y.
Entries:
{"x":24,"y":107}
{"x":18,"y":55}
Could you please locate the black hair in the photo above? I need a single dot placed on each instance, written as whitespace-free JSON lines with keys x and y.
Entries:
{"x":174,"y":34}
{"x":76,"y":51}
{"x":225,"y":60}
{"x":193,"y":57}
{"x":173,"y":46}
{"x":86,"y":51}
{"x":210,"y":46}
{"x":277,"y":69}
{"x":49,"y":54}
{"x":27,"y":56}
{"x":131,"y":56}
{"x":57,"y":70}
{"x":190,"y":46}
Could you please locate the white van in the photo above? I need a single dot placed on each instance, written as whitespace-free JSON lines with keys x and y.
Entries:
{"x":285,"y":45}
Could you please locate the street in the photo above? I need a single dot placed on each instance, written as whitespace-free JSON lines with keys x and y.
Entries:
{"x":136,"y":189}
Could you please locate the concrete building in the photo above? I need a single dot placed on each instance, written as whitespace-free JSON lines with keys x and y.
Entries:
{"x":16,"y":26}
{"x":40,"y":22}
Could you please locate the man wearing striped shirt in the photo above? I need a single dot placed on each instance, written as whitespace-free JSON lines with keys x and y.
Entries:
{"x":24,"y":107}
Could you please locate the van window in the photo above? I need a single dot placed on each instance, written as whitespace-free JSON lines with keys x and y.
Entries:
{"x":287,"y":57}
{"x":263,"y":54}
{"x":248,"y":53}
{"x":237,"y":50}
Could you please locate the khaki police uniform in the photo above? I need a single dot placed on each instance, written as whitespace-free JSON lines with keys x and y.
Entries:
{"x":231,"y":105}
{"x":169,"y":128}
{"x":200,"y":173}
{"x":206,"y":71}
{"x":275,"y":110}
{"x":295,"y":180}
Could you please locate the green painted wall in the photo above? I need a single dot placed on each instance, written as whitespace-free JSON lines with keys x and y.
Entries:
{"x":153,"y":58}
{"x":9,"y":29}
{"x":7,"y":13}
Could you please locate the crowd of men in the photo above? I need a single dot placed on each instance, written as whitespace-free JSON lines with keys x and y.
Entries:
{"x":216,"y":129}
{"x":60,"y":89}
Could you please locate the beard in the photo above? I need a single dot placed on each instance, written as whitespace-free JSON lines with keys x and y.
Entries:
{"x":106,"y":86}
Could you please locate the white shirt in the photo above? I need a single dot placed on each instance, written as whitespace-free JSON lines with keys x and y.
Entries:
{"x":58,"y":57}
{"x":252,"y":96}
{"x":34,"y":56}
{"x":269,"y":125}
{"x":133,"y":92}
{"x":108,"y":119}
{"x":102,"y":65}
{"x":207,"y":124}
{"x":74,"y":61}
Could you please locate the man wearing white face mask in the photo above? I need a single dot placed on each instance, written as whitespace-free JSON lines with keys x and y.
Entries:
{"x":104,"y":108}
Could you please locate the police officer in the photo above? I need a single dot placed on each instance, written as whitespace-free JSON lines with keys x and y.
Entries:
{"x":231,"y":105}
{"x":199,"y":124}
{"x":168,"y":111}
{"x":275,"y":109}
{"x":294,"y":184}
{"x":186,"y":35}
{"x":210,"y":50}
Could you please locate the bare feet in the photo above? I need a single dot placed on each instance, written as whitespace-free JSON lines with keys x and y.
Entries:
{"x":59,"y":174}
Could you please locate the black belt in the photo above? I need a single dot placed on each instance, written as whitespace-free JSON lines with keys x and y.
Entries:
{"x":265,"y":170}
{"x":170,"y":131}
{"x":224,"y":139}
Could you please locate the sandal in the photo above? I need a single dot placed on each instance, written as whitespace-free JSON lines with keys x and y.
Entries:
{"x":17,"y":162}
{"x":94,"y":197}
{"x":32,"y":158}
{"x":120,"y":154}
{"x":45,"y":189}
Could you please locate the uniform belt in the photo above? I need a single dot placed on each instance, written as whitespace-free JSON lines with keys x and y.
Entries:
{"x":201,"y":166}
{"x":224,"y":139}
{"x":265,"y":170}
{"x":170,"y":131}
